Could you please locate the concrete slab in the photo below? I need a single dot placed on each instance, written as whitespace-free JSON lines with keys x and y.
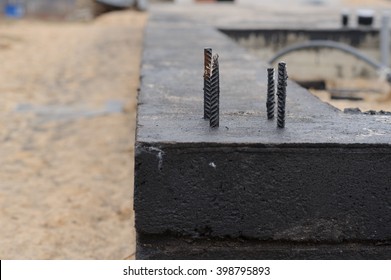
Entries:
{"x":171,"y":95}
{"x":325,"y":179}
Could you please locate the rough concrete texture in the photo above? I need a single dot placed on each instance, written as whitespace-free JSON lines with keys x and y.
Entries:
{"x":295,"y":193}
{"x":166,"y":247}
{"x":324,"y":181}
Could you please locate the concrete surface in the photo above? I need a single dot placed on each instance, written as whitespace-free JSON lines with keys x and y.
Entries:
{"x":171,"y":95}
{"x":323,"y":182}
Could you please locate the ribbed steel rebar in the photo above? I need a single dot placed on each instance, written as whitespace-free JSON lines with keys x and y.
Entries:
{"x":215,"y":93}
{"x":207,"y":89}
{"x":270,"y":102}
{"x":281,"y":94}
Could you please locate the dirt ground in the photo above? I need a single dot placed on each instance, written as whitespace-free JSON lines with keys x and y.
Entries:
{"x":67,"y":119}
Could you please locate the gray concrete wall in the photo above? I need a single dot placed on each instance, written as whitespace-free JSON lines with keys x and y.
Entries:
{"x":321,"y":64}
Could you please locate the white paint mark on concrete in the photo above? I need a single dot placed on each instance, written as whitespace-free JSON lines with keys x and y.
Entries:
{"x":371,"y":132}
{"x":159,"y":155}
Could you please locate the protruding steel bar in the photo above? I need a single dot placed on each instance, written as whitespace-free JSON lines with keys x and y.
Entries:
{"x":271,"y":91}
{"x":207,"y":89}
{"x":215,"y":93}
{"x":281,"y":94}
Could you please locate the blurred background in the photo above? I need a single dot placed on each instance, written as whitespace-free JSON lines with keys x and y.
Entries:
{"x":69,"y":76}
{"x":43,"y":8}
{"x":64,"y":9}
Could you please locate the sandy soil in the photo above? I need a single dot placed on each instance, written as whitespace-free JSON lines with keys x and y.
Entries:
{"x":67,"y":119}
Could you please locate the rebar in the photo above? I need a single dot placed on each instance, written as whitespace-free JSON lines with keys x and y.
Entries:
{"x":281,"y":94}
{"x":207,"y":89}
{"x":270,"y":102}
{"x":215,"y":93}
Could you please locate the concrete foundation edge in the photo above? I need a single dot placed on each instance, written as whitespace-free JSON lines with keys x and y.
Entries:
{"x":168,"y":247}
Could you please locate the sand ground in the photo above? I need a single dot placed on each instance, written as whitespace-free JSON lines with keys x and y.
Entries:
{"x":67,"y":119}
